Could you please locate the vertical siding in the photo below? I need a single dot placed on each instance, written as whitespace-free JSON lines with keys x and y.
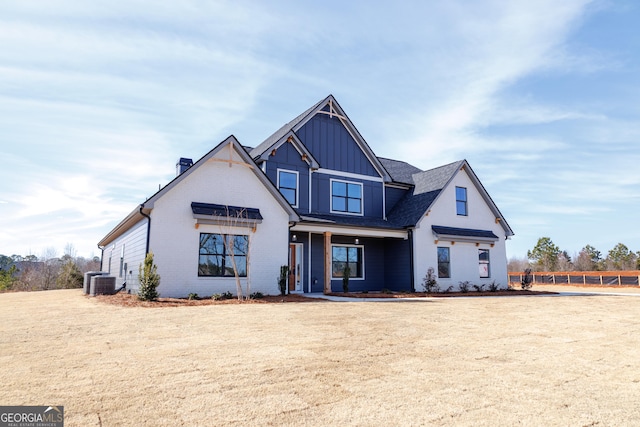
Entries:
{"x":393,"y":196}
{"x":287,"y":157}
{"x":397,"y":271}
{"x":374,"y":265}
{"x":317,"y":263}
{"x":333,"y":147}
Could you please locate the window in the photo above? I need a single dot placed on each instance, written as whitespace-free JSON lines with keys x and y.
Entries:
{"x":461,"y":201}
{"x":218,"y":252}
{"x":346,"y":197}
{"x":342,"y":256}
{"x":483,"y":263}
{"x":288,"y":186}
{"x":444,"y":264}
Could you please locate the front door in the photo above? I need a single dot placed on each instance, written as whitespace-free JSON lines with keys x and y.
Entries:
{"x":295,"y":267}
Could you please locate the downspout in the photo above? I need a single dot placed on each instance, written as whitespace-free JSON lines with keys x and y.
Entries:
{"x":101,"y":256}
{"x":413,"y":285}
{"x":148,"y":227}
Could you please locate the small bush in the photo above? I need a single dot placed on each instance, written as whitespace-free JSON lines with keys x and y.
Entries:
{"x":193,"y":296}
{"x":429,"y":283}
{"x":365,"y":292}
{"x":226,"y":295}
{"x":464,"y":286}
{"x":494,"y":287}
{"x":448,"y":290}
{"x":527,"y":280}
{"x":386,"y":291}
{"x":256,"y":295}
{"x":478,"y":288}
{"x":282,"y":280}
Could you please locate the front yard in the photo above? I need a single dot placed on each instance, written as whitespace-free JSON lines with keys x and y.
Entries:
{"x":451,"y":361}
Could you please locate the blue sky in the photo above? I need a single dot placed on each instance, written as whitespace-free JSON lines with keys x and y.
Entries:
{"x":98,"y":100}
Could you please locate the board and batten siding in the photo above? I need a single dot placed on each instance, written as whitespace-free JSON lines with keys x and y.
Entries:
{"x":333,"y":146}
{"x":288,"y":158}
{"x":175,"y":239}
{"x":134,"y":242}
{"x":463,"y":255}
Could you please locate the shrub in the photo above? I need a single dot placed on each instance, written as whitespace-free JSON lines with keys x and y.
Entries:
{"x":385,"y":291}
{"x":226,"y":295}
{"x":479,"y":288}
{"x":527,"y":280}
{"x":345,"y":278}
{"x":464,"y":286}
{"x":194,"y":296}
{"x":149,"y":279}
{"x":256,"y":295}
{"x":448,"y":290}
{"x":282,"y":280}
{"x":429,"y":283}
{"x":494,"y":287}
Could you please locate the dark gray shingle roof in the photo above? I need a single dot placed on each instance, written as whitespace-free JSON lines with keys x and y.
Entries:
{"x":225,"y":211}
{"x":417,"y":201}
{"x":466,"y":232}
{"x":275,"y":137}
{"x":400,"y":171}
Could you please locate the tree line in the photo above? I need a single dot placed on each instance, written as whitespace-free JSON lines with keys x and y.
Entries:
{"x":31,"y":273}
{"x":546,"y":256}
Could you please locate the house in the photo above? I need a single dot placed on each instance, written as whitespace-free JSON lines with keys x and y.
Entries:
{"x":314,"y":196}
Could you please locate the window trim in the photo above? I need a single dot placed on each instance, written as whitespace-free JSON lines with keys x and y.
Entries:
{"x":465,"y":201}
{"x":487,"y":262}
{"x":332,"y":210}
{"x":448,"y":261}
{"x":345,"y":245}
{"x":297,"y":189}
{"x":223,"y":256}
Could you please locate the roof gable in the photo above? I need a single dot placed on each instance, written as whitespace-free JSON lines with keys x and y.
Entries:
{"x":428,"y":186}
{"x":237,"y":155}
{"x":326,"y":107}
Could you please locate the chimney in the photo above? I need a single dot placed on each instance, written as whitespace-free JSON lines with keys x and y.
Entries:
{"x":183,"y":164}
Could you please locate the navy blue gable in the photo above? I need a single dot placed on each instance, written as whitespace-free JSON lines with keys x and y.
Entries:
{"x":333,"y":146}
{"x":286,"y":157}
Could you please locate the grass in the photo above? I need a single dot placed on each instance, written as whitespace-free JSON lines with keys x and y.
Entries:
{"x":466,"y":361}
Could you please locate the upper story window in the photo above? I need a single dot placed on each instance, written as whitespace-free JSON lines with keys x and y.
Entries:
{"x":346,"y":197}
{"x":288,"y":186}
{"x":461,"y":201}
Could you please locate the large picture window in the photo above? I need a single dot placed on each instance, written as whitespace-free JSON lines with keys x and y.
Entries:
{"x":346,"y":197}
{"x":342,"y":256}
{"x":483,"y":263}
{"x":444,"y":263}
{"x":218,"y":253}
{"x":288,"y":186}
{"x":461,"y":201}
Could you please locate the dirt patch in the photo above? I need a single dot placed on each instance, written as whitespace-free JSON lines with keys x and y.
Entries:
{"x":130,"y":300}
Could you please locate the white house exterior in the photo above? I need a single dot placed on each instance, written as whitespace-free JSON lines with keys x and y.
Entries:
{"x":226,"y":176}
{"x":464,"y":250}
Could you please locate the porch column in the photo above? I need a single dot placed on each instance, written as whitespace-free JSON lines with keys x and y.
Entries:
{"x":327,"y":262}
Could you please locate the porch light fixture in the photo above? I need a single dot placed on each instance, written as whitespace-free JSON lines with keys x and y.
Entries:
{"x":294,"y":238}
{"x":357,"y":241}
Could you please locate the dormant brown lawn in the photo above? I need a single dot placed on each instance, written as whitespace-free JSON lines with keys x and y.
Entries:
{"x":567,"y":361}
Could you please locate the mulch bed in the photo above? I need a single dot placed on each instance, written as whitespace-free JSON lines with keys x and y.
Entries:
{"x":130,"y":300}
{"x":438,"y":295}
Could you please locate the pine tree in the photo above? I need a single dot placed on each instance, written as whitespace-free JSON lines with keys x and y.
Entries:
{"x":149,"y":279}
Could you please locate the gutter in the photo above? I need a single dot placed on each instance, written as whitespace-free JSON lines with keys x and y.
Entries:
{"x":101,"y":256}
{"x":148,"y":227}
